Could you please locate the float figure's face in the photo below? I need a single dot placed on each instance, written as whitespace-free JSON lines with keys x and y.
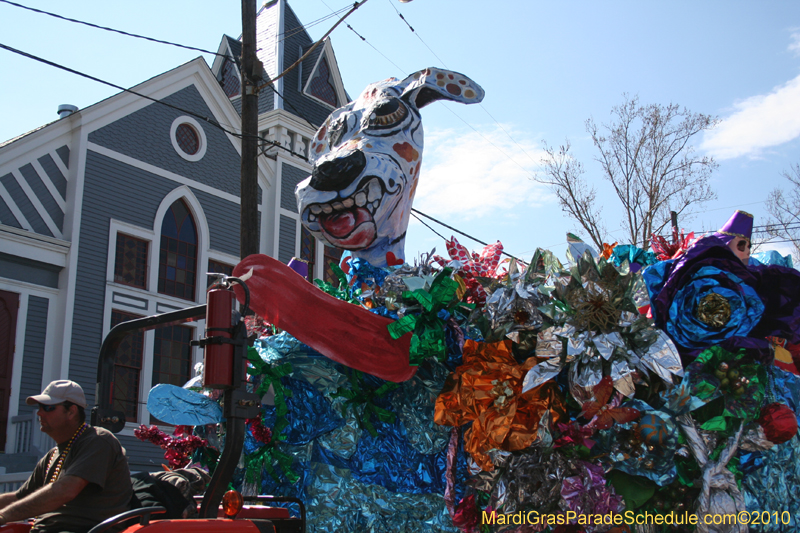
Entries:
{"x":366,"y":162}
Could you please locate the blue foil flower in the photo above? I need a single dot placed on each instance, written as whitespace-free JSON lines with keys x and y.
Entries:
{"x":714,"y":305}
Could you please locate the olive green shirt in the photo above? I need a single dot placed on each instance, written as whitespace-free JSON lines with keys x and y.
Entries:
{"x":97,"y":457}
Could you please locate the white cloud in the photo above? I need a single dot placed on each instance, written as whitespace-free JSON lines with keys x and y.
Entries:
{"x":759,"y":122}
{"x":462,"y":173}
{"x":794,"y":46}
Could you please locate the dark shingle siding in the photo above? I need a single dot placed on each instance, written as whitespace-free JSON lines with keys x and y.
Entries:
{"x":24,"y":205}
{"x":7,"y":217}
{"x":235,"y":47}
{"x":142,"y":456}
{"x":63,"y":153}
{"x":55,"y":175}
{"x":223,"y":222}
{"x":33,"y":350}
{"x":43,"y":194}
{"x":144,"y":135}
{"x":266,"y":101}
{"x":291,"y":176}
{"x":287,"y":239}
{"x":28,"y":270}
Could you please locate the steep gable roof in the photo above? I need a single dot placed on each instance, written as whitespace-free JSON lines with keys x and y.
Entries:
{"x":280,"y":41}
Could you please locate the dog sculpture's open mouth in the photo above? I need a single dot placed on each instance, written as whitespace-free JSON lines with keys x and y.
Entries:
{"x":349,"y":223}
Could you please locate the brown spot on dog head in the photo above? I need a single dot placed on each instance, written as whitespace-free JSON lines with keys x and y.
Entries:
{"x":453,"y":89}
{"x":406,"y":151}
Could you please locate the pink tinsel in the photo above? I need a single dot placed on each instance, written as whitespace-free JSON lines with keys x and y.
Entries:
{"x":179,"y":447}
{"x":260,"y":432}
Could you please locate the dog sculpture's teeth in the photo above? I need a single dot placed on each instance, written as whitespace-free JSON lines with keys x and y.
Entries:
{"x":368,"y":197}
{"x":373,"y":190}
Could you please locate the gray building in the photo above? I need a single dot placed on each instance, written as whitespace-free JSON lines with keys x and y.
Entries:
{"x":120,"y":209}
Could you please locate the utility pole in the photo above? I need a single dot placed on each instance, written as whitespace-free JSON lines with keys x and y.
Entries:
{"x":248,"y":231}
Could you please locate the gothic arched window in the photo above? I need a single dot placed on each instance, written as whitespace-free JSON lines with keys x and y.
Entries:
{"x":177,"y":264}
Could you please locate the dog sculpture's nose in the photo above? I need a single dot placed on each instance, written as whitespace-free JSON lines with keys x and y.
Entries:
{"x":337,"y":174}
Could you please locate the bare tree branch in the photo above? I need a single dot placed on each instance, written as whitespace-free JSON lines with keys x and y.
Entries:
{"x":784,"y":208}
{"x":564,"y":175}
{"x":645,"y":152}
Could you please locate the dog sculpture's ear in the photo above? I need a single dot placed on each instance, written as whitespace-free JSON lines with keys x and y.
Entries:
{"x":431,"y":84}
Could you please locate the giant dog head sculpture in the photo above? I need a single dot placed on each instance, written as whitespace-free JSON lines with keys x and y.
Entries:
{"x":366,"y":160}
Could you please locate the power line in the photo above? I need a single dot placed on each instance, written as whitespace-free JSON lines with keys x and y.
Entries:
{"x":111,"y":29}
{"x":479,"y":104}
{"x":366,"y":41}
{"x":140,"y":95}
{"x":468,"y":236}
{"x":304,"y":27}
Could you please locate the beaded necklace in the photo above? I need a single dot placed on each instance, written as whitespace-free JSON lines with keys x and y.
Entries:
{"x":63,"y":455}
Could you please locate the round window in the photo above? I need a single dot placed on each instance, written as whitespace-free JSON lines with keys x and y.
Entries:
{"x":188,"y":140}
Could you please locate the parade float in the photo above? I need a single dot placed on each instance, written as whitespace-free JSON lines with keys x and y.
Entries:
{"x":467,"y":393}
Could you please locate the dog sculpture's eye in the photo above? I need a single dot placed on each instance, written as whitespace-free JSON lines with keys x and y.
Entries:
{"x":388,"y":114}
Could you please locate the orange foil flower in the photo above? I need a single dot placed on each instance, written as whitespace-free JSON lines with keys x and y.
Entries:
{"x":487,"y":390}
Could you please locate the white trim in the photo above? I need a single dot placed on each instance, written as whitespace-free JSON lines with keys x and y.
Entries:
{"x":59,"y":163}
{"x":14,"y":209}
{"x":23,"y":244}
{"x":16,"y":369}
{"x":158,"y":171}
{"x":37,"y":204}
{"x":49,"y":184}
{"x":201,"y":134}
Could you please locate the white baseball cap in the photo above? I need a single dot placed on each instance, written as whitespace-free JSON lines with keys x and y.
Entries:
{"x":59,"y":391}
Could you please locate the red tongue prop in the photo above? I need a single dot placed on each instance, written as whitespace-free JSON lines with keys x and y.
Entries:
{"x":340,"y":224}
{"x":341,"y":331}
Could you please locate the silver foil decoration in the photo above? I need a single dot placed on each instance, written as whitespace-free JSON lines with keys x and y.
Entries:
{"x":719,"y":494}
{"x":663,"y":359}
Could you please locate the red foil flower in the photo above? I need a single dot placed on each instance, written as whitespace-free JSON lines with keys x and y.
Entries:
{"x":779,"y":422}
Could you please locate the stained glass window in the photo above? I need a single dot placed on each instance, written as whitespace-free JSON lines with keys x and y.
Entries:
{"x":219,"y":268}
{"x":188,"y":139}
{"x":130,"y":262}
{"x":177,"y":265}
{"x":308,"y":250}
{"x":332,"y":255}
{"x":127,"y":369}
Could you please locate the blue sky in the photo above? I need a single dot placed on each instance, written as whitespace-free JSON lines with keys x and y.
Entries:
{"x":545,"y":66}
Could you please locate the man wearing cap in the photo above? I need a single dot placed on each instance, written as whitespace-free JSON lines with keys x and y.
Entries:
{"x":79,"y":483}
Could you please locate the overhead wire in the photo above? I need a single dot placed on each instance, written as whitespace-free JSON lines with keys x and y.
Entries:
{"x":367,"y":42}
{"x":418,"y":212}
{"x":480,"y":104}
{"x":106,"y":28}
{"x":304,"y":27}
{"x":208,"y":120}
